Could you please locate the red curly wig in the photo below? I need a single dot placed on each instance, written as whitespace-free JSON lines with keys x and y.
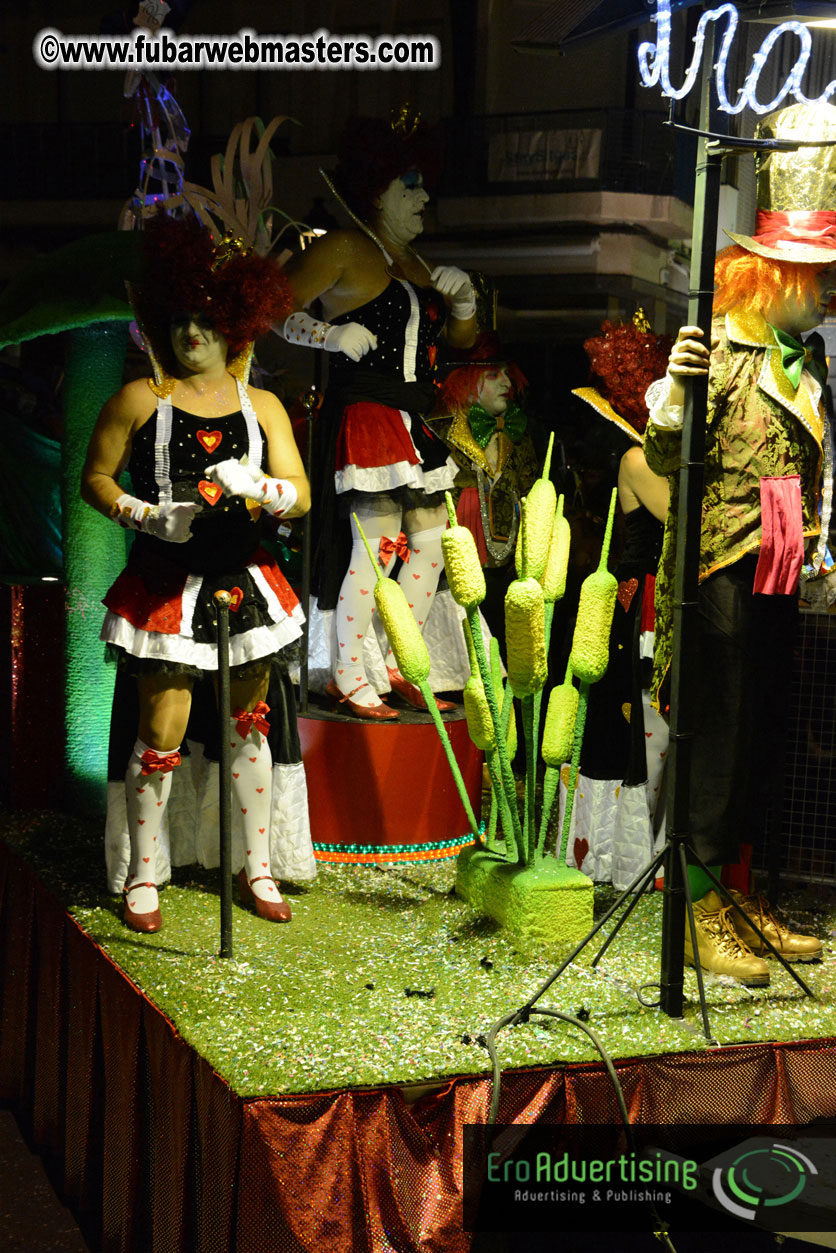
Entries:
{"x":460,"y":389}
{"x":745,"y":280}
{"x":372,"y":153}
{"x":624,"y":362}
{"x":181,"y":273}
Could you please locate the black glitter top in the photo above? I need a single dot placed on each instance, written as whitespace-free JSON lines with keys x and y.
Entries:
{"x":224,"y":535}
{"x":643,"y":547}
{"x":387,"y":317}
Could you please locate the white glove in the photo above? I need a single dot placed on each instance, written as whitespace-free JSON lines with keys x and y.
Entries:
{"x":236,"y":478}
{"x":455,"y":285}
{"x":171,"y":522}
{"x":352,"y":339}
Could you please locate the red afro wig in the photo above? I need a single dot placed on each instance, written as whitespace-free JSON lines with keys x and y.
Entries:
{"x":373,"y":152}
{"x":745,"y":280}
{"x":182,"y":272}
{"x":460,"y":389}
{"x":624,"y":361}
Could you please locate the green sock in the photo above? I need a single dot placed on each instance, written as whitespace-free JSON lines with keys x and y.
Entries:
{"x":700,"y":882}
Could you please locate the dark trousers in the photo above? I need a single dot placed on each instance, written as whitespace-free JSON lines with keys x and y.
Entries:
{"x":742,"y":699}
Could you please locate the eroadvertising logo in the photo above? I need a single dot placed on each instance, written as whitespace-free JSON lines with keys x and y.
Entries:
{"x":601,"y":1177}
{"x":762,"y":1178}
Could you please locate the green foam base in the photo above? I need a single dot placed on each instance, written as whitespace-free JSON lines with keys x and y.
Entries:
{"x":545,"y":907}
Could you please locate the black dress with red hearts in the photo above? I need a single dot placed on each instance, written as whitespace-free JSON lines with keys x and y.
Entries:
{"x":162,"y":613}
{"x":372,"y":437}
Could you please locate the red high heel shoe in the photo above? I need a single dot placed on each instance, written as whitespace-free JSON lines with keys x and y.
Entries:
{"x":376,"y":713}
{"x":270,"y":911}
{"x":145,"y":923}
{"x":412,"y":694}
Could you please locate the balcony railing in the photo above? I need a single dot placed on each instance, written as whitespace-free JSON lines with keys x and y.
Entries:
{"x":626,"y":150}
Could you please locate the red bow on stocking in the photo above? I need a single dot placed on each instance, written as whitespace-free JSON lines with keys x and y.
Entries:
{"x":398,"y":546}
{"x":246,"y":719}
{"x":165,"y":763}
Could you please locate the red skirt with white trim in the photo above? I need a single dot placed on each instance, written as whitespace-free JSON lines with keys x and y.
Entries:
{"x":158,"y":611}
{"x":380,"y":448}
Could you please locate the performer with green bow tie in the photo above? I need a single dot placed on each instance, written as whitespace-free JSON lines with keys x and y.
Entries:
{"x":480,"y":417}
{"x":766,"y":505}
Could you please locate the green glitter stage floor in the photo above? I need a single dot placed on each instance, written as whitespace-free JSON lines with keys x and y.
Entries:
{"x":385,"y":977}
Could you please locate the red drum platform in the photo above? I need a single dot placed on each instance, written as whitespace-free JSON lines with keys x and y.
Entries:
{"x":385,"y":792}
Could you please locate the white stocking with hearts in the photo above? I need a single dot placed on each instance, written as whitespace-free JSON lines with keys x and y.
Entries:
{"x":252,"y":769}
{"x":419,"y":576}
{"x":355,"y":605}
{"x":146,"y":795}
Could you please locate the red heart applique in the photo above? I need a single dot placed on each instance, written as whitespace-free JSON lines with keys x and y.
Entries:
{"x":348,"y":615}
{"x":243,"y":811}
{"x":261,"y":830}
{"x":237,"y":596}
{"x":253,"y":759}
{"x":581,"y":850}
{"x":146,"y":859}
{"x":259,"y":789}
{"x":626,"y":592}
{"x":209,"y":439}
{"x":364,"y":591}
{"x":235,"y":774}
{"x":141,"y":821}
{"x":210,"y":492}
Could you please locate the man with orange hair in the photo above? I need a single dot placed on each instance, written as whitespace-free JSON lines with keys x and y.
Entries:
{"x":767,"y":445}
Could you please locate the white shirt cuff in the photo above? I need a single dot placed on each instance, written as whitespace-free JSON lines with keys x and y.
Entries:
{"x":661,"y":412}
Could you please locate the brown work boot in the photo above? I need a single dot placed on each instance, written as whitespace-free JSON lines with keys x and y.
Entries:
{"x":720,"y":948}
{"x":792,"y":946}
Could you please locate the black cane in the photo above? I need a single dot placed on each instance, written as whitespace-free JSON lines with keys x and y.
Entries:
{"x":223,"y":601}
{"x":309,"y":405}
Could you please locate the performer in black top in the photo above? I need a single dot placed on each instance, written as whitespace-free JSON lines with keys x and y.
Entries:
{"x":384,"y":312}
{"x":194,"y":439}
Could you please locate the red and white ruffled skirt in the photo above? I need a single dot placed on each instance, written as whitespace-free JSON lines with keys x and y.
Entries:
{"x":158,"y":611}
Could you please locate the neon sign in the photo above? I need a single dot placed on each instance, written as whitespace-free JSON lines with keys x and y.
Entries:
{"x":654,"y":61}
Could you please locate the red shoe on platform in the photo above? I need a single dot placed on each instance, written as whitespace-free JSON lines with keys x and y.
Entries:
{"x":375,"y":713}
{"x":145,"y":923}
{"x":270,"y":911}
{"x":412,"y":694}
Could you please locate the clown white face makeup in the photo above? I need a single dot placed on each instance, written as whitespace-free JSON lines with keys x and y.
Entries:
{"x":494,"y":391}
{"x":400,"y":208}
{"x":197,"y":345}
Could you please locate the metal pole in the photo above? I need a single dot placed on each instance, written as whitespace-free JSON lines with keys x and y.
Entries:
{"x":223,"y":601}
{"x":689,"y":519}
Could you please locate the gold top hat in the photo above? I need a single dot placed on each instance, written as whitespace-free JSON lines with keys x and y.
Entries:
{"x":796,"y":191}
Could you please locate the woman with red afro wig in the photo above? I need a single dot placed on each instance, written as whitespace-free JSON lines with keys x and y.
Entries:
{"x":193,"y":440}
{"x":384,"y":311}
{"x":626,"y":740}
